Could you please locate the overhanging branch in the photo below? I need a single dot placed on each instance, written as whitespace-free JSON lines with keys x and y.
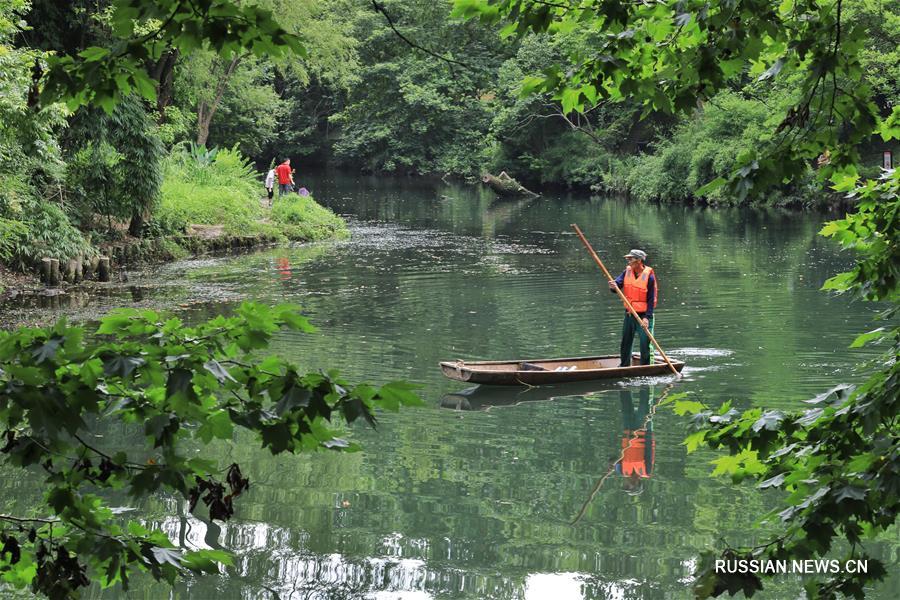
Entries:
{"x":383,"y":11}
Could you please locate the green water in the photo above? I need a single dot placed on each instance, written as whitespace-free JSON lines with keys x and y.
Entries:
{"x":474,"y":495}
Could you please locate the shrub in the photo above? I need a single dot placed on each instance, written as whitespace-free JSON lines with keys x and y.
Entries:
{"x":704,"y":147}
{"x":114,"y":163}
{"x":301,"y":218}
{"x":49,"y":234}
{"x":11,"y":231}
{"x":208,"y":188}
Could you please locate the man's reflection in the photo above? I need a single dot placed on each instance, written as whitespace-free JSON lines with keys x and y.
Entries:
{"x":638,"y":454}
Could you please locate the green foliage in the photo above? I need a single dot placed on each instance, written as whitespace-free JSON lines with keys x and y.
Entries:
{"x":175,"y":388}
{"x":175,"y":126}
{"x":249,"y":109}
{"x":140,"y":32}
{"x":11,"y":232}
{"x":202,"y":156}
{"x":208,"y":187}
{"x":30,"y":161}
{"x":220,"y":187}
{"x":301,"y":218}
{"x":838,"y":461}
{"x":49,"y":233}
{"x":416,"y":113}
{"x":408,"y":121}
{"x":702,"y":148}
{"x":670,"y":57}
{"x":872,"y":232}
{"x":880,"y":58}
{"x":114,"y":169}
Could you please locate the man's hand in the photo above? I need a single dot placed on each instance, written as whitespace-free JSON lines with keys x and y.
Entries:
{"x":612,"y":285}
{"x":646,"y":322}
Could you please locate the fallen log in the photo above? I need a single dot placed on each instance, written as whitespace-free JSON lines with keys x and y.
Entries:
{"x":505,"y":185}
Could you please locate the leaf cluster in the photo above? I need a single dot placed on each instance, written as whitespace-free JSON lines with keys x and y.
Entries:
{"x":141,"y":31}
{"x":178,"y":388}
{"x":871,"y":232}
{"x":839,"y":461}
{"x":671,"y":57}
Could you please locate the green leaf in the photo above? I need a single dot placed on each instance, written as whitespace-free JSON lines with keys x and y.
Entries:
{"x":850,"y":492}
{"x":769,"y":420}
{"x":47,"y":351}
{"x":840,"y":282}
{"x":294,"y":396}
{"x":713,"y":185}
{"x":179,"y":384}
{"x":683,"y":407}
{"x":531,"y":85}
{"x":570,"y":99}
{"x":167,"y":556}
{"x":122,"y":366}
{"x":218,"y":371}
{"x":115,"y":322}
{"x":776,"y":481}
{"x":277,"y":437}
{"x":865,"y":338}
{"x":218,"y":424}
{"x":397,"y":393}
{"x":93,"y":53}
{"x":336,"y":443}
{"x":889,"y":129}
{"x":772,"y":71}
{"x":90,"y":371}
{"x":694,"y":440}
{"x":206,"y":561}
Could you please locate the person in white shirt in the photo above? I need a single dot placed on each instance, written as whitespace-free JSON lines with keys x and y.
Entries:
{"x":270,"y":185}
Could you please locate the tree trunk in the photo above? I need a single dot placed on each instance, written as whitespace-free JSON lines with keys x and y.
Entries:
{"x":505,"y":185}
{"x":206,"y":111}
{"x":103,"y":268}
{"x":136,"y":226}
{"x":163,"y":74}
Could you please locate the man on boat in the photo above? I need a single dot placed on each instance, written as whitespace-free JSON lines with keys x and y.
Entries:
{"x":638,"y":284}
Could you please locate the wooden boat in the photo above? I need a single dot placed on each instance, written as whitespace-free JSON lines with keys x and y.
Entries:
{"x":554,"y":370}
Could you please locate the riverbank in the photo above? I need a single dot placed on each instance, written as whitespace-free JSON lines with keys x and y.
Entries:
{"x":290,"y":219}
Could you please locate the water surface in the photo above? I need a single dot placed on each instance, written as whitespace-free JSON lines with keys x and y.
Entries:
{"x":474,"y":495}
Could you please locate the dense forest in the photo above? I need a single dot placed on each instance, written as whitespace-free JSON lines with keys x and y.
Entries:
{"x":389,"y":87}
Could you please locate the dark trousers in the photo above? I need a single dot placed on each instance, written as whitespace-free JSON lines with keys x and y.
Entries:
{"x":629,"y":327}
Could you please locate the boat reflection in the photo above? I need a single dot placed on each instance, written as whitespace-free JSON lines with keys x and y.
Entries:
{"x":485,"y":397}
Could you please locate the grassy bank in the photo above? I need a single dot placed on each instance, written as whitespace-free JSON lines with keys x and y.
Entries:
{"x":209,"y":201}
{"x":221,"y":189}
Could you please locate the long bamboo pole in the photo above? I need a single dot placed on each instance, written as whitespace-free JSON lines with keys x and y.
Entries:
{"x":624,"y":299}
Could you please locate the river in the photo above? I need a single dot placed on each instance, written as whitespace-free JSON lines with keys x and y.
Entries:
{"x":474,"y":495}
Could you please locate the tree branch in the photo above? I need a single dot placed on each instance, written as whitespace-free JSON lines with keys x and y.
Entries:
{"x":381,"y":9}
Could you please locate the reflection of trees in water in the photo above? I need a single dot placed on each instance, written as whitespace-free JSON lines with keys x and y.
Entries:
{"x":279,"y":561}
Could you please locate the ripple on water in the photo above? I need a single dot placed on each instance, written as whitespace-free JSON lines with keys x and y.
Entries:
{"x":700,"y":352}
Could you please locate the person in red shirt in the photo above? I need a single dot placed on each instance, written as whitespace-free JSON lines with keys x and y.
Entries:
{"x":285,"y":178}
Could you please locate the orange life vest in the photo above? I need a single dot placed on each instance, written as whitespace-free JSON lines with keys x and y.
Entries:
{"x":634,"y":459}
{"x":635,"y":289}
